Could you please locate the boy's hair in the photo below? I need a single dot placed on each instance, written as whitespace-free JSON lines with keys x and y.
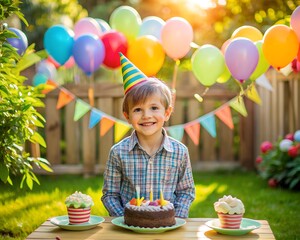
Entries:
{"x":142,"y":91}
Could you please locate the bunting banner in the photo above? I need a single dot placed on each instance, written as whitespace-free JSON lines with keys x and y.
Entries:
{"x":264,"y":82}
{"x":208,"y":121}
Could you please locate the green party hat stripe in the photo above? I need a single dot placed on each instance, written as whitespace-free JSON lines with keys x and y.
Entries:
{"x":131,"y":74}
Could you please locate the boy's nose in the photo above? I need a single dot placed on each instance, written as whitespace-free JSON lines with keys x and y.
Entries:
{"x":146,"y":113}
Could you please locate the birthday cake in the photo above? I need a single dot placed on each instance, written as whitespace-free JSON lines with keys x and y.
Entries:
{"x":149,"y":214}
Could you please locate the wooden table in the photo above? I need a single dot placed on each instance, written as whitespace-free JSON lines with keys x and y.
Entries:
{"x":195,"y":228}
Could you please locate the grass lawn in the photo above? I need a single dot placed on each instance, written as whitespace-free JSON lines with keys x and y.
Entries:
{"x":23,"y":210}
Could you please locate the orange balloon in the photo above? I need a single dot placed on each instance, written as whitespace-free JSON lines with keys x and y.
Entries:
{"x":280,"y":45}
{"x":249,"y":32}
{"x":147,"y":54}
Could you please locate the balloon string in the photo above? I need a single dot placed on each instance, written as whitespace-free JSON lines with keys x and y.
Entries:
{"x":91,"y":90}
{"x":173,"y":87}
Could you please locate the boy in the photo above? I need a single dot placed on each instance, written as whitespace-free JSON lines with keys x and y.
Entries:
{"x":149,"y":158}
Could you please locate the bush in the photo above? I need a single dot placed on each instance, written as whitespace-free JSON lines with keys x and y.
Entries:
{"x":279,"y":163}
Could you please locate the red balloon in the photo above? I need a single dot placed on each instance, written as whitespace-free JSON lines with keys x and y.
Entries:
{"x":114,"y":42}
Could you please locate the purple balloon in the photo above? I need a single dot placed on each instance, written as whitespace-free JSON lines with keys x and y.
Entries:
{"x":241,"y":58}
{"x":88,"y":52}
{"x":21,"y":43}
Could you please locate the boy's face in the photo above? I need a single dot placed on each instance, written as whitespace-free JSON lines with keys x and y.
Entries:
{"x":148,"y":117}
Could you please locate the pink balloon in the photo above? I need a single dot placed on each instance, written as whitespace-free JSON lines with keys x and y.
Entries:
{"x":295,"y":21}
{"x":176,"y":37}
{"x":241,"y":58}
{"x":87,"y":25}
{"x":70,"y":63}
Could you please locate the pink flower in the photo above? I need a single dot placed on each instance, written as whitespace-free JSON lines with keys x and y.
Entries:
{"x":258,"y":160}
{"x":266,"y":146}
{"x":289,"y":136}
{"x":272,"y":182}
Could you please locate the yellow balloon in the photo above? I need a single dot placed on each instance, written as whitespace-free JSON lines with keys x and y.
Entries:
{"x":249,"y":32}
{"x":147,"y":54}
{"x":280,"y":45}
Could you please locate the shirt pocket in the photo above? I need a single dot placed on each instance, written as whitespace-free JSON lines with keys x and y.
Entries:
{"x":170,"y":175}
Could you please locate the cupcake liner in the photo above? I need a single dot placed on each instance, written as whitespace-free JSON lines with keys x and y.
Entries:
{"x":231,"y":221}
{"x":79,"y":215}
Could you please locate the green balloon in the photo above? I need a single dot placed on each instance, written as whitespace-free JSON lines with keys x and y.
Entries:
{"x":208,"y":64}
{"x":262,"y":65}
{"x":126,"y":20}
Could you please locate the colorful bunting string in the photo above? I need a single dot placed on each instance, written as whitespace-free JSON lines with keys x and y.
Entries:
{"x":207,"y":121}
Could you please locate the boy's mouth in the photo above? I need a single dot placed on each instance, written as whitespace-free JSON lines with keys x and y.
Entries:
{"x":147,"y":124}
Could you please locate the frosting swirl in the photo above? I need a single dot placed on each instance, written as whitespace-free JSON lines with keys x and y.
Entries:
{"x":229,"y":205}
{"x":79,"y":200}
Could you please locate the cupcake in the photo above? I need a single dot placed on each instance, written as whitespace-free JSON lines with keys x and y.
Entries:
{"x":230,"y":211}
{"x":79,"y":207}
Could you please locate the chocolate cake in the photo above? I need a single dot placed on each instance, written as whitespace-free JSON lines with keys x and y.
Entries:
{"x":150,"y":215}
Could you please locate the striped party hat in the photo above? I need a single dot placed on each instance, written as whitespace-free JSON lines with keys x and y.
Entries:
{"x":131,"y":74}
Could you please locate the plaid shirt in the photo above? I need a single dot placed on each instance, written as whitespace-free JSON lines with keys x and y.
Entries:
{"x":129,"y":166}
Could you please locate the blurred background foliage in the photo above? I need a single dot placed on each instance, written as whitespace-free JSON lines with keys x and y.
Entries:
{"x":213,"y":25}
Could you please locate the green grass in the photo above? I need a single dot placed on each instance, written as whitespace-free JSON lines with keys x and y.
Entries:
{"x":23,"y":210}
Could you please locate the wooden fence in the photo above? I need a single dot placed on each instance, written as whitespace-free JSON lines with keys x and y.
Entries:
{"x":72,"y":147}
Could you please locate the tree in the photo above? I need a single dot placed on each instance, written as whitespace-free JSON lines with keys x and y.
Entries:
{"x":19,"y":118}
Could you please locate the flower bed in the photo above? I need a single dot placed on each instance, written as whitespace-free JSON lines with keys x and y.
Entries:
{"x":279,"y":163}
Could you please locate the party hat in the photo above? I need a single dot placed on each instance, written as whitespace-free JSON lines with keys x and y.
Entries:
{"x":131,"y":74}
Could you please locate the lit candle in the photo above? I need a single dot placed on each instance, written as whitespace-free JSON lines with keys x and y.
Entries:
{"x":162,"y":200}
{"x":137,"y":189}
{"x":151,"y":195}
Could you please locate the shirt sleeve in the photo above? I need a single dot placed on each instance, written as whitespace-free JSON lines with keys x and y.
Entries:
{"x":185,"y":190}
{"x":111,"y":198}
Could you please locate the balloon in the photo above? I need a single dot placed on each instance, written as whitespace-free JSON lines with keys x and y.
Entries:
{"x":126,"y":20}
{"x":295,"y":64}
{"x":295,"y":21}
{"x":152,"y":26}
{"x":58,"y":42}
{"x":85,"y":26}
{"x":241,"y":58}
{"x":147,"y":54}
{"x":88,"y":52}
{"x":280,"y":45}
{"x":207,"y":64}
{"x":20,"y":42}
{"x":225,"y":45}
{"x":48,"y":69}
{"x":225,"y":76}
{"x":249,"y":32}
{"x":51,"y":60}
{"x":70,"y":63}
{"x":114,"y":42}
{"x":103,"y":25}
{"x":262,"y":65}
{"x":38,"y":79}
{"x":176,"y":37}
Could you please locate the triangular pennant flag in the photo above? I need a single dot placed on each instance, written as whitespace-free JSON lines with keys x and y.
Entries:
{"x":193,"y":130}
{"x":209,"y":123}
{"x":95,"y":117}
{"x":121,"y":129}
{"x":264,"y":82}
{"x":176,"y":132}
{"x":64,"y":98}
{"x":81,"y":108}
{"x":224,"y":114}
{"x":253,"y":95}
{"x":238,"y":105}
{"x":105,"y":125}
{"x":49,"y":86}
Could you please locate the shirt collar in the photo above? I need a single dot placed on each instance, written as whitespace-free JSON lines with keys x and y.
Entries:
{"x":166,"y":144}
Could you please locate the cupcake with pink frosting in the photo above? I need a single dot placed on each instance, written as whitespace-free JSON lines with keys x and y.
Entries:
{"x":79,"y":207}
{"x":230,"y":211}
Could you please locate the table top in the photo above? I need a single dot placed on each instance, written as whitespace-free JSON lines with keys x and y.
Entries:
{"x":195,"y":228}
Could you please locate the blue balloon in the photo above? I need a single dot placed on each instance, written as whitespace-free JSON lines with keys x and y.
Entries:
{"x":103,"y":25}
{"x":39,"y":78}
{"x":88,"y":52}
{"x":48,"y":69}
{"x":58,"y":42}
{"x":20,"y":43}
{"x":152,"y":26}
{"x":297,"y":136}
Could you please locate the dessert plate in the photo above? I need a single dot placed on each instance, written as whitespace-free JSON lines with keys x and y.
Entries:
{"x":119,"y":221}
{"x":63,"y":222}
{"x":247,"y":225}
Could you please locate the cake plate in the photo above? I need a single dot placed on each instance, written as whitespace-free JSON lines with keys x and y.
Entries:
{"x":247,"y":225}
{"x":63,"y":222}
{"x":119,"y":221}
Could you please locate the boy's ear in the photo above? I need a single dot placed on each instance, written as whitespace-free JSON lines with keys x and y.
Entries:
{"x":126,"y":116}
{"x":168,"y":113}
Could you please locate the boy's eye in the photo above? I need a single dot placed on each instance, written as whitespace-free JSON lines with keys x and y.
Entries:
{"x":154,"y":108}
{"x":136,"y":110}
